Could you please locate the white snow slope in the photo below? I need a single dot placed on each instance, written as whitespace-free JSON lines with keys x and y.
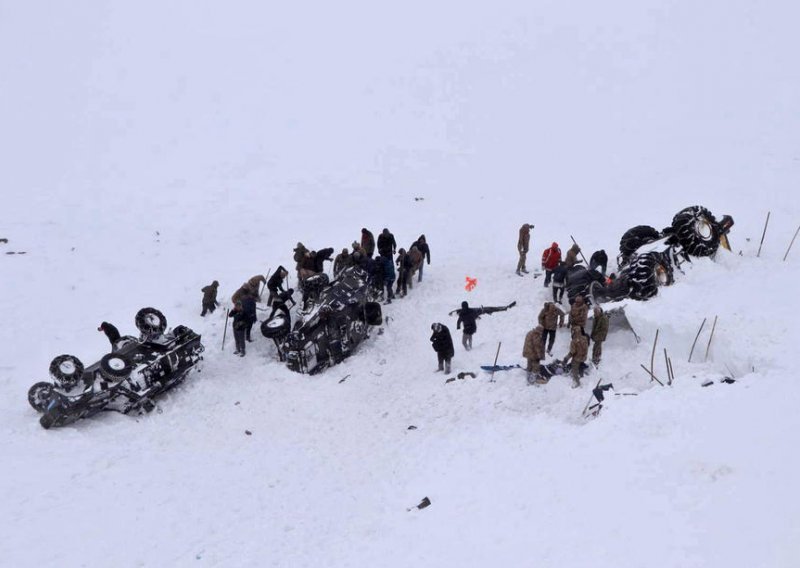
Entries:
{"x":150,"y":147}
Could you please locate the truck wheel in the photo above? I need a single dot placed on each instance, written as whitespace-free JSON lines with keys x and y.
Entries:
{"x":66,"y":370}
{"x":647,"y":273}
{"x":372,"y":313}
{"x":150,"y":321}
{"x":635,"y":238}
{"x":115,"y":367}
{"x":696,"y":231}
{"x":276,"y":326}
{"x":39,"y":395}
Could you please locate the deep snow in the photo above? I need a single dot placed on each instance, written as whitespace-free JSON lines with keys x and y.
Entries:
{"x":152,"y":148}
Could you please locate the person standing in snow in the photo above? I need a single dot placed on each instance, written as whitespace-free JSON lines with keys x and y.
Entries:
{"x":367,"y":242}
{"x":404,"y":266}
{"x":559,"y":282}
{"x":578,"y":315}
{"x":578,"y":350}
{"x":248,"y":303}
{"x":533,"y":351}
{"x":469,"y":317}
{"x":275,"y":284}
{"x":388,"y":274}
{"x":572,"y":256}
{"x":209,"y":298}
{"x":239,"y":324}
{"x":299,"y":254}
{"x":551,"y":258}
{"x":599,"y":259}
{"x":422,"y":246}
{"x":523,"y":244}
{"x":599,"y":334}
{"x":112,"y":333}
{"x":550,"y":317}
{"x":442,"y":343}
{"x":387,"y":246}
{"x":415,"y":255}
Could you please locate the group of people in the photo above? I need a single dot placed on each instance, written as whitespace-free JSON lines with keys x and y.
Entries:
{"x":539,"y":340}
{"x":384,"y":271}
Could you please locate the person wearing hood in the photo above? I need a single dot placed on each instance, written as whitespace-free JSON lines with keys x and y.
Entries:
{"x":578,"y":350}
{"x":533,"y":351}
{"x":551,"y":257}
{"x":255,"y":284}
{"x":469,"y":317}
{"x":523,"y":244}
{"x":572,"y":256}
{"x":422,"y":246}
{"x":442,"y":343}
{"x":343,"y":260}
{"x":112,"y":333}
{"x":367,"y":242}
{"x":275,"y":283}
{"x":209,"y":298}
{"x":599,"y":259}
{"x":550,"y":317}
{"x":387,"y":246}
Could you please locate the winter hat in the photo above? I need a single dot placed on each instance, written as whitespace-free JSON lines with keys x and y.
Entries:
{"x":215,"y":283}
{"x":464,"y":305}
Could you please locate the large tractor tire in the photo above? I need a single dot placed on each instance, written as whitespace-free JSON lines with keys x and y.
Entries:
{"x":635,"y":238}
{"x":150,"y":321}
{"x":696,"y":231}
{"x":275,"y":327}
{"x":115,"y":367}
{"x":647,"y":272}
{"x":39,"y":395}
{"x":66,"y":371}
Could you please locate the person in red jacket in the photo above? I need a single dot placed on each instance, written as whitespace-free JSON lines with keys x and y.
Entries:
{"x":550,"y":259}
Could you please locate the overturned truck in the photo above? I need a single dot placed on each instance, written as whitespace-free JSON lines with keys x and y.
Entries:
{"x":648,"y":257}
{"x":338,"y":316}
{"x":127,"y":380}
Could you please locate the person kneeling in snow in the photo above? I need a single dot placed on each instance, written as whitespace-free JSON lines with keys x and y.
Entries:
{"x":533,"y":351}
{"x":443,"y":345}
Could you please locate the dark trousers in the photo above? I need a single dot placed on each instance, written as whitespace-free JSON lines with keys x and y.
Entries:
{"x":208,"y":309}
{"x":238,"y":336}
{"x":549,"y":334}
{"x":444,"y":362}
{"x":248,"y":329}
{"x":558,"y":293}
{"x":421,"y":265}
{"x":389,"y":293}
{"x":402,"y":282}
{"x":548,"y":274}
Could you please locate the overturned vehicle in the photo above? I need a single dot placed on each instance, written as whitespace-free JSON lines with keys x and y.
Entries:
{"x":648,"y":257}
{"x":127,"y":380}
{"x":337,"y":319}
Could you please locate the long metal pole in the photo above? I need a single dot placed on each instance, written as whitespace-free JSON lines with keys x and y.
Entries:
{"x":763,"y":235}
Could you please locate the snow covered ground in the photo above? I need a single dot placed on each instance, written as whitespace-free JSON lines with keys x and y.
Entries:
{"x":152,"y":148}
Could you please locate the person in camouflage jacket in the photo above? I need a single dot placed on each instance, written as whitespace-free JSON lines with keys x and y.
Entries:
{"x":578,"y":350}
{"x":599,"y":334}
{"x":550,"y":317}
{"x":523,"y":244}
{"x":210,"y":298}
{"x":533,"y":351}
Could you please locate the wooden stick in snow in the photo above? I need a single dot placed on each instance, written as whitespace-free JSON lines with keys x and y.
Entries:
{"x":696,"y":337}
{"x":762,"y":236}
{"x":713,"y":327}
{"x":653,"y":354}
{"x":791,"y":243}
{"x":652,"y":376}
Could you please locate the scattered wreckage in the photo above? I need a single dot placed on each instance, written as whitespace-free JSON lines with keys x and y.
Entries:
{"x":127,"y":380}
{"x":337,"y":319}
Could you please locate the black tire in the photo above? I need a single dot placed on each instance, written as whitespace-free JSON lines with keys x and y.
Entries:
{"x":647,"y":272}
{"x":696,"y":231}
{"x":39,"y":395}
{"x":635,"y":238}
{"x":150,"y":321}
{"x":66,"y":371}
{"x":180,"y":330}
{"x":115,"y":367}
{"x":276,"y":326}
{"x":372,"y":313}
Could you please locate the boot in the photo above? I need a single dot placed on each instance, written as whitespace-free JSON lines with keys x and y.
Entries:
{"x":525,"y":270}
{"x":576,"y":383}
{"x":447,"y":367}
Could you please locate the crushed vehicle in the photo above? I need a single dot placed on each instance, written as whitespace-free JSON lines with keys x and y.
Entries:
{"x":127,"y":380}
{"x":648,"y":257}
{"x":336,"y":320}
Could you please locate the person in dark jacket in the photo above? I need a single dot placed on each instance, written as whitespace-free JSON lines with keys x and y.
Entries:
{"x":559,"y":281}
{"x":275,"y":283}
{"x":388,"y":276}
{"x":209,"y":298}
{"x":404,"y":267}
{"x":469,"y":317}
{"x":112,"y":333}
{"x":422,"y":246}
{"x":249,"y":308}
{"x":279,"y":304}
{"x":443,"y":345}
{"x":387,"y":246}
{"x":599,"y":259}
{"x":240,"y":325}
{"x":320,"y":257}
{"x":367,"y":242}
